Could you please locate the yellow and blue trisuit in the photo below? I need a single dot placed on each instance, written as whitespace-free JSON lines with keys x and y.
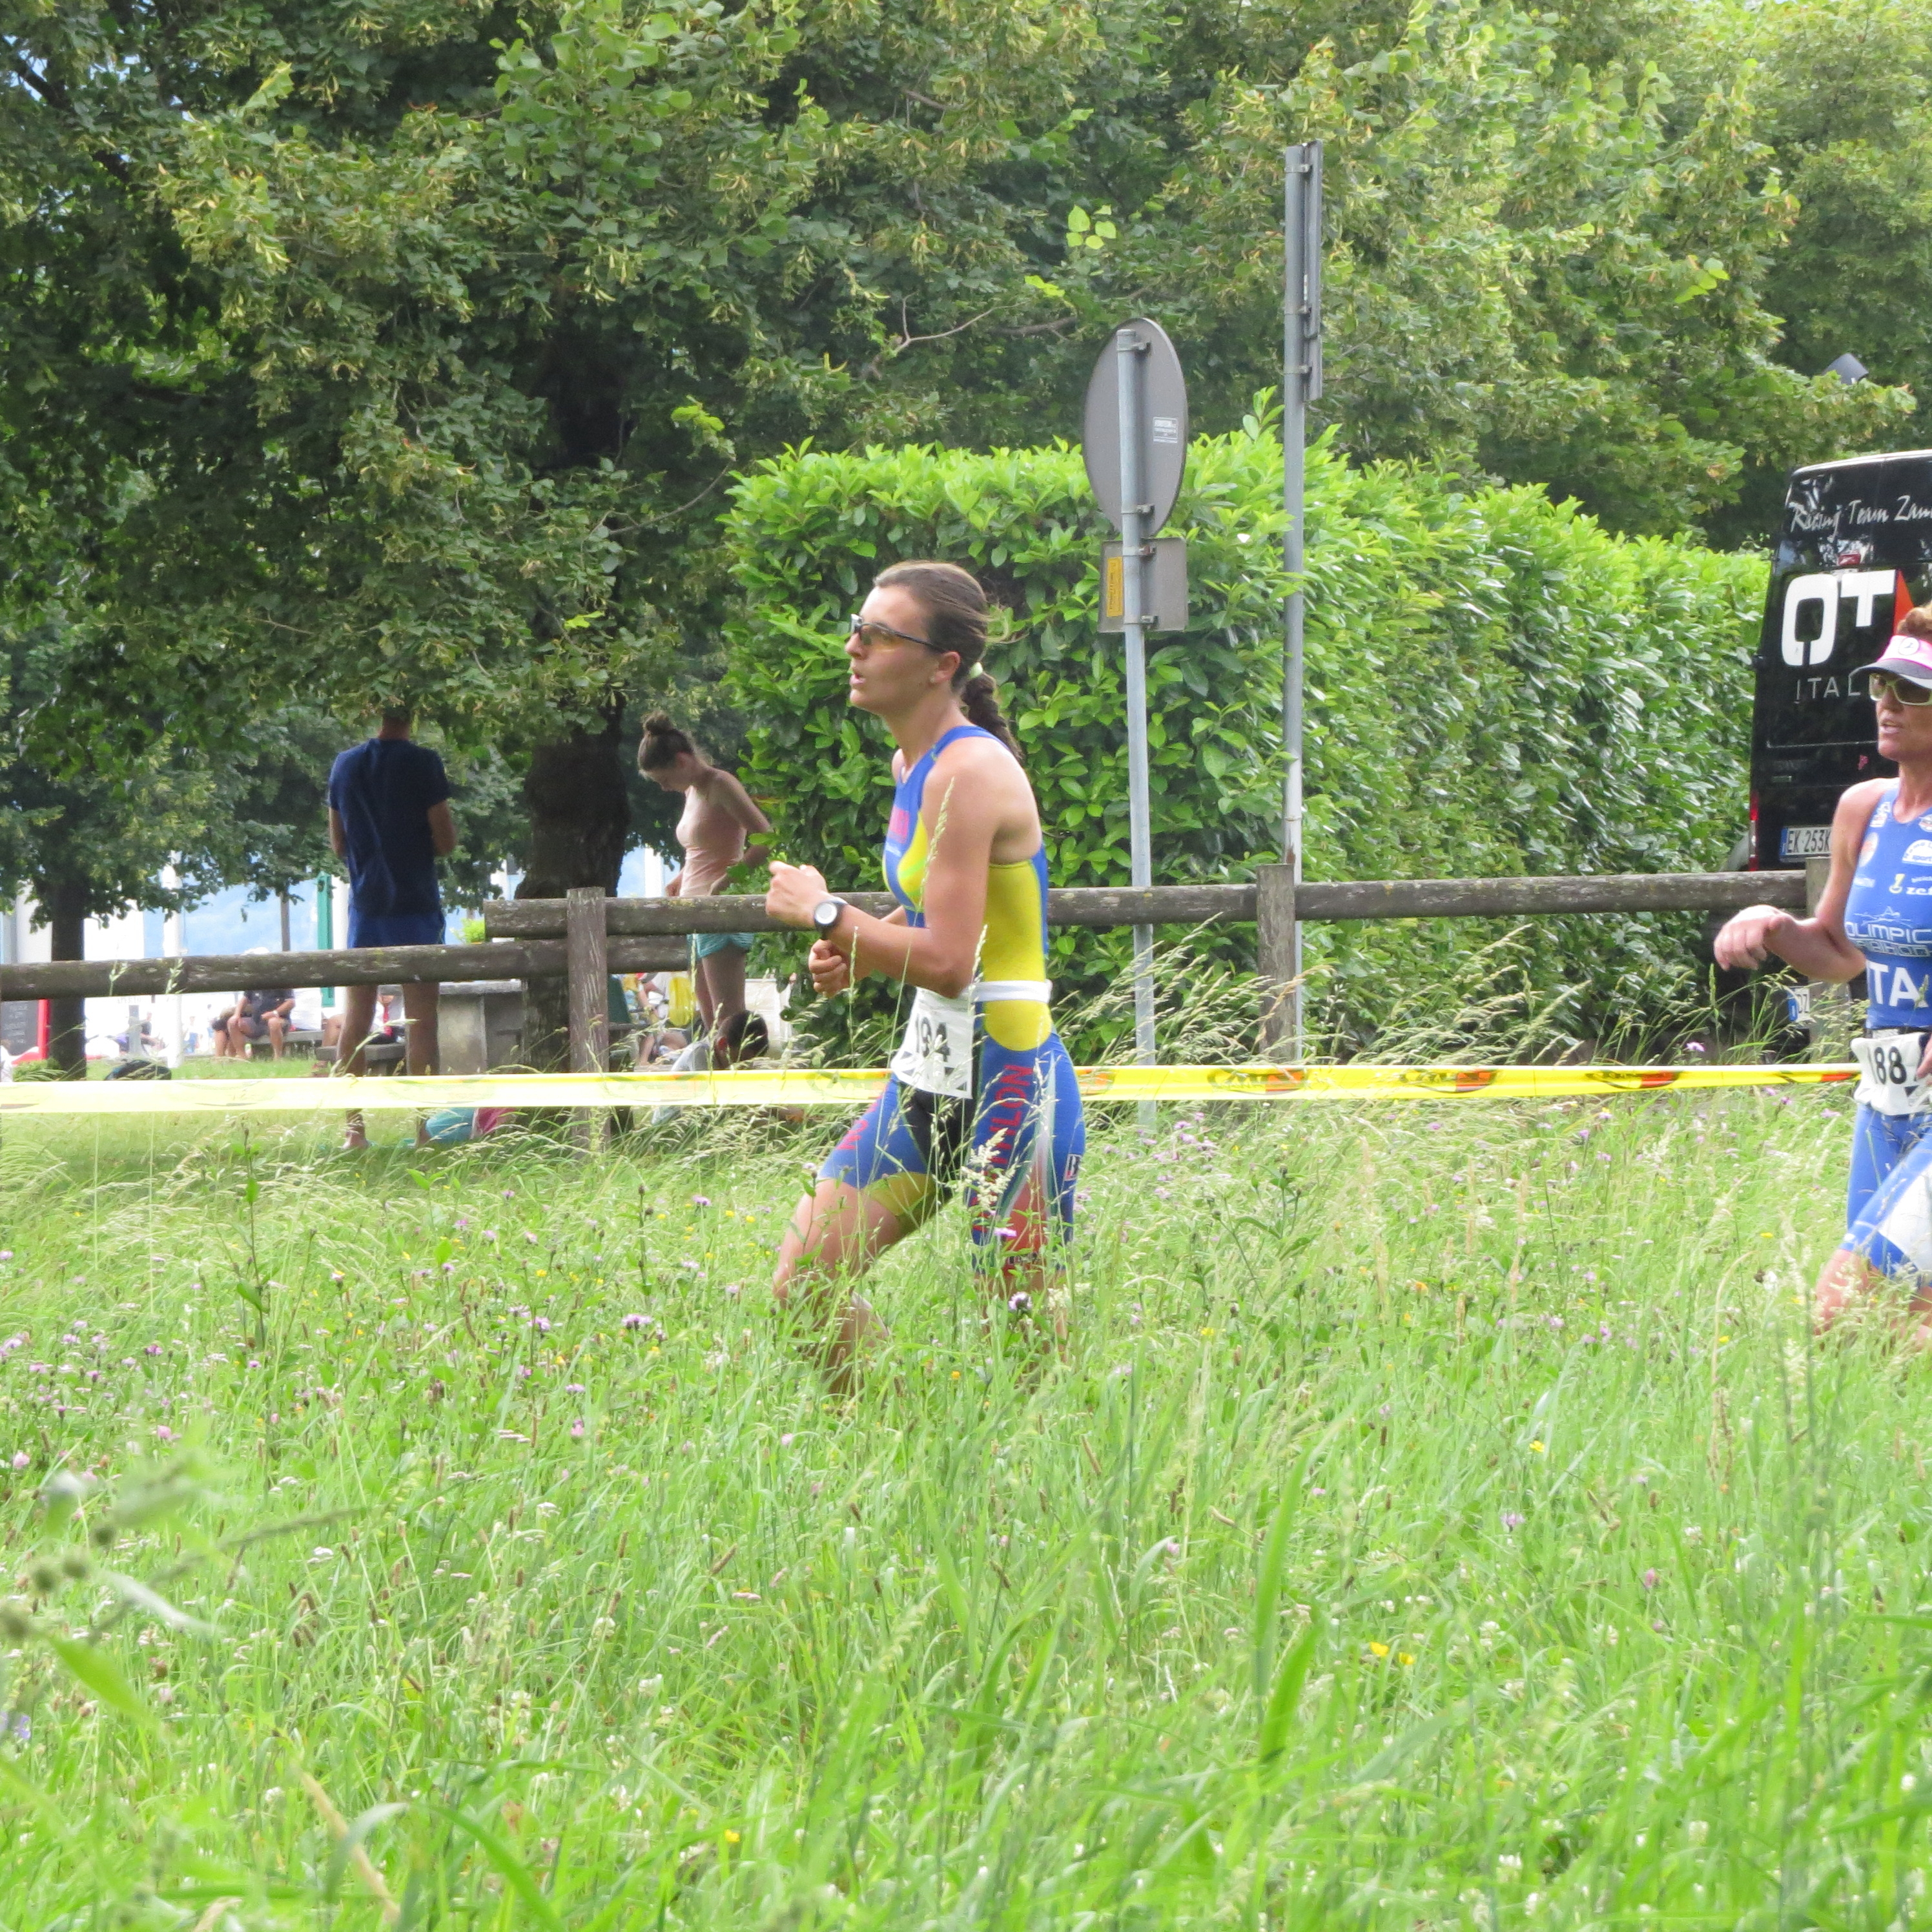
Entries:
{"x":1022,"y":1124}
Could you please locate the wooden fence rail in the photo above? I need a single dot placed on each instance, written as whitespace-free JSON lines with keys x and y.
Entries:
{"x":648,"y":935}
{"x":1193,"y":905}
{"x":367,"y":966}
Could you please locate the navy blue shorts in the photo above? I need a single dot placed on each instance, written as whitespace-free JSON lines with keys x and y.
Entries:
{"x":395,"y":929}
{"x":1888,"y":1208}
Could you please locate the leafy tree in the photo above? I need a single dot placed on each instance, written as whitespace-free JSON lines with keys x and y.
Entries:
{"x":1537,"y":270}
{"x":93,"y":843}
{"x":405,"y":352}
{"x":1841,"y":92}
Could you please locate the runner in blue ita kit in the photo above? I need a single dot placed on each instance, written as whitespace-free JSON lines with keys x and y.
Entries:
{"x":1875,"y":922}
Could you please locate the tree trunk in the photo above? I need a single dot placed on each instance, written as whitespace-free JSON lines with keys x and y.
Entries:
{"x":579,"y":823}
{"x":65,"y":904}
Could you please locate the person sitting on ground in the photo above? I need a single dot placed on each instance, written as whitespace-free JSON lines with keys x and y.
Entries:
{"x":389,"y":817}
{"x":719,"y":817}
{"x":743,"y":1040}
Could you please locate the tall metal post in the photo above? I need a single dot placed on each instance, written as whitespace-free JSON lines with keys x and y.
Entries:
{"x":170,"y":1010}
{"x":324,"y":928}
{"x":1301,"y":385}
{"x":1134,"y":511}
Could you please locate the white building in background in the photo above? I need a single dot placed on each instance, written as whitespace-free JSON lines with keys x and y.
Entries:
{"x":182,"y":1021}
{"x":112,"y":1020}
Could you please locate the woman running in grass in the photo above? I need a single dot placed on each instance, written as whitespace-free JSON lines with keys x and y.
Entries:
{"x":980,"y":1080}
{"x":1876,"y":918}
{"x":718,"y":821}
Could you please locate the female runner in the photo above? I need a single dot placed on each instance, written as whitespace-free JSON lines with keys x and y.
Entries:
{"x":1876,"y":918}
{"x":981,"y":1075}
{"x":719,"y":817}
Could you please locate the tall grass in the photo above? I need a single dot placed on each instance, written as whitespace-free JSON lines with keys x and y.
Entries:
{"x":1440,"y":1517}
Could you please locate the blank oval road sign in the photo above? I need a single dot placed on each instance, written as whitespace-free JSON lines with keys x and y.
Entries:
{"x":1164,"y":417}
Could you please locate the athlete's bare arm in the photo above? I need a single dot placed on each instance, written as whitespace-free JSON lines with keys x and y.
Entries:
{"x":1817,"y":946}
{"x":831,"y":971}
{"x":979,"y":810}
{"x":742,"y":807}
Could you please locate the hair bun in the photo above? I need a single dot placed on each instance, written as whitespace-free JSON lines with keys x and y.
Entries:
{"x":659,"y":723}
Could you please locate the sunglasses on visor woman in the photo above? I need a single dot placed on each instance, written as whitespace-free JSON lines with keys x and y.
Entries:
{"x":1883,"y":684}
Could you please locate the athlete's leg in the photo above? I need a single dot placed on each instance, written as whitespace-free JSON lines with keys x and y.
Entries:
{"x":1888,"y":1215}
{"x":875,"y":1188}
{"x":836,"y":1235}
{"x":1028,"y":1138}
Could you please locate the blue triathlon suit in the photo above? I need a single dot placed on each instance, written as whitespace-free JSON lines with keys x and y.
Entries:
{"x":1888,"y":918}
{"x":1023,"y":1127}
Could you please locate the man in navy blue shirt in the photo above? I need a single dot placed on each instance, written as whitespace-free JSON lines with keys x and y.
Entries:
{"x":389,"y":817}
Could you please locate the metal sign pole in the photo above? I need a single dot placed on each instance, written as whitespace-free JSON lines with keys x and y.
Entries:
{"x":1131,"y":348}
{"x":1301,"y":385}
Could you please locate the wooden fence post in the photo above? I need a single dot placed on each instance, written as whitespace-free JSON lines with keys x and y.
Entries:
{"x":1275,"y":952}
{"x":587,"y":972}
{"x":585,"y":968}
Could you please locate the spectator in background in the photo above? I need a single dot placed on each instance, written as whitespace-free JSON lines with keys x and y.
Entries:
{"x":389,"y":817}
{"x":261,"y":1015}
{"x":718,"y":821}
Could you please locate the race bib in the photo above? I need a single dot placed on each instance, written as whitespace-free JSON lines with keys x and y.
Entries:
{"x":1888,"y":1063}
{"x":936,"y":1055}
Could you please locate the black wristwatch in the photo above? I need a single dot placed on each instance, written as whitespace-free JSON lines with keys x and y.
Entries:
{"x":825,"y":916}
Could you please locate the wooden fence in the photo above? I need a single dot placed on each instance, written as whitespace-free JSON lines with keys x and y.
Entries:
{"x":584,"y":938}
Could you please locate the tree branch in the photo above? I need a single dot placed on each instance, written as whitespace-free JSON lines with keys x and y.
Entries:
{"x":57,"y":97}
{"x":908,"y":339}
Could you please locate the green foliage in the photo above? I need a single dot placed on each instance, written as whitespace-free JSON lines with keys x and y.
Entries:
{"x":1495,"y":686}
{"x":406,"y":353}
{"x":1839,"y":94}
{"x":393,"y":355}
{"x":1545,"y":270}
{"x":78,"y":1529}
{"x":1403,"y":1523}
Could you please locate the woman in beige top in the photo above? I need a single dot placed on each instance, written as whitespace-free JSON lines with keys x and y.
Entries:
{"x":718,"y":819}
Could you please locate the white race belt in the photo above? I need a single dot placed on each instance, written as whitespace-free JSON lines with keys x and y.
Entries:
{"x":1889,"y":1081}
{"x":936,"y":1055}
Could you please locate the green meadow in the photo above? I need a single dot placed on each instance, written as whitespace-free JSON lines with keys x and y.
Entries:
{"x":1438,"y":1516}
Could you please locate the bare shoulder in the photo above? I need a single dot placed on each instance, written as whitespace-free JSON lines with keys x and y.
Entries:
{"x":982,"y":759}
{"x":1856,"y":804}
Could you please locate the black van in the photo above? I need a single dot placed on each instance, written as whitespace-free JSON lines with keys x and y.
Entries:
{"x":1854,"y":552}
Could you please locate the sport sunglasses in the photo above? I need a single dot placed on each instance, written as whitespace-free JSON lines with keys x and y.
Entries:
{"x":872,"y":634}
{"x":1883,"y":684}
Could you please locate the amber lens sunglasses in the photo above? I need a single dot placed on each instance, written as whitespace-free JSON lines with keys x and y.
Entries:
{"x":872,"y":635}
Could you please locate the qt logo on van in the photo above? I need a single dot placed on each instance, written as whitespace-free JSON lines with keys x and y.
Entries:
{"x":1815,"y":598}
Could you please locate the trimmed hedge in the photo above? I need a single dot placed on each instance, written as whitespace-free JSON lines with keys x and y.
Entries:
{"x":1495,"y":686}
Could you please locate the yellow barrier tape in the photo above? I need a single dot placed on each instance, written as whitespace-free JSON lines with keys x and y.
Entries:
{"x":810,"y":1086}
